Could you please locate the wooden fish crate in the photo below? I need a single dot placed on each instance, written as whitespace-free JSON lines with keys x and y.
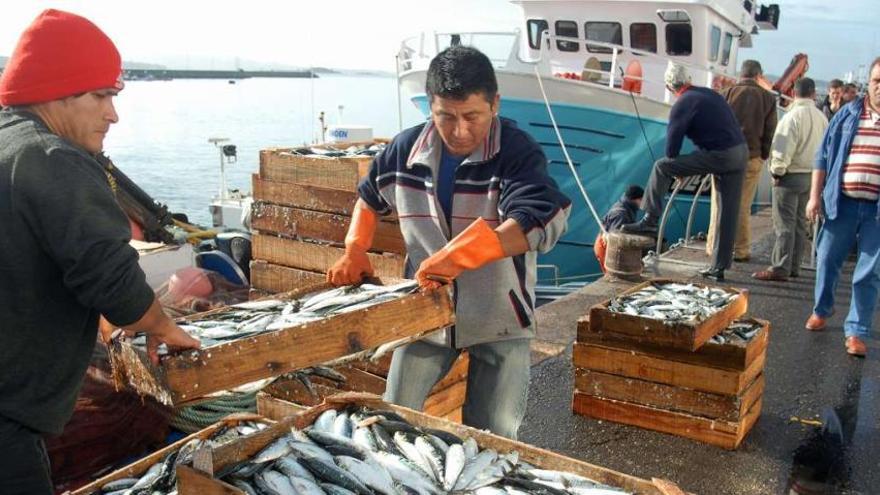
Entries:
{"x":199,"y":478}
{"x":273,"y":278}
{"x":445,"y":399}
{"x":712,"y":395}
{"x":342,"y":173}
{"x":140,"y":467}
{"x":189,"y":376}
{"x":678,"y":334}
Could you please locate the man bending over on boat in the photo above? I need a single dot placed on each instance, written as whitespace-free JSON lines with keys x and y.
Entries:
{"x":64,"y":253}
{"x":475,"y":204}
{"x":705,"y":118}
{"x":621,"y":213}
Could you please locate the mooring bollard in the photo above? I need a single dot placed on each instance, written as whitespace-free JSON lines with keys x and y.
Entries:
{"x":623,"y":258}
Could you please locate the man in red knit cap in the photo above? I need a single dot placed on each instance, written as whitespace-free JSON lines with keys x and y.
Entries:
{"x":64,"y":253}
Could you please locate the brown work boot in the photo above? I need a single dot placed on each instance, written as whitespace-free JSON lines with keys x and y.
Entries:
{"x":815,"y":324}
{"x":770,"y":276}
{"x":855,"y":347}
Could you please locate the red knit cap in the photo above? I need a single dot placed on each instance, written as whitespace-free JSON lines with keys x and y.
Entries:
{"x":59,"y":55}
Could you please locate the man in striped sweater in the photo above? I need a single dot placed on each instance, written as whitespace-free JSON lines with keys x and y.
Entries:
{"x":846,"y":187}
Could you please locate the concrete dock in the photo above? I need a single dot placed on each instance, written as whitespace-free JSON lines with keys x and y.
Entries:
{"x":810,"y":380}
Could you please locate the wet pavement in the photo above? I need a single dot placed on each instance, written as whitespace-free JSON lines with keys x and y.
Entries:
{"x":809,"y":377}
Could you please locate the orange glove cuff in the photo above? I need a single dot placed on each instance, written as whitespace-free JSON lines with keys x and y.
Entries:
{"x":362,"y":228}
{"x":475,"y":246}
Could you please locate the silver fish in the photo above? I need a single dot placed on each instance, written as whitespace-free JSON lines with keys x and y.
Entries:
{"x":476,"y":465}
{"x":277,"y":449}
{"x":407,"y":474}
{"x":374,"y":476}
{"x":430,"y":454}
{"x":304,"y":486}
{"x":325,"y":420}
{"x":455,"y":460}
{"x":289,"y":466}
{"x":274,"y":482}
{"x":414,"y":455}
{"x":364,"y":437}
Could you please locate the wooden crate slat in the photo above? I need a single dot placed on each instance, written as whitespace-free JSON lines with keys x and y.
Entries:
{"x":379,"y":368}
{"x":317,"y":257}
{"x":333,"y":173}
{"x":296,"y":222}
{"x":644,"y":367}
{"x":681,"y":335}
{"x":667,"y":397}
{"x":725,"y":434}
{"x":269,"y":277}
{"x":186,"y":377}
{"x":445,"y":401}
{"x":727,"y":356}
{"x":303,"y":196}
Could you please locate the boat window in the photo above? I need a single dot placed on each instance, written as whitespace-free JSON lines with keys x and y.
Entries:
{"x":606,"y":32}
{"x":725,"y":52}
{"x":535,"y":28}
{"x":643,"y":36}
{"x":569,"y":29}
{"x":714,"y":43}
{"x":679,"y":39}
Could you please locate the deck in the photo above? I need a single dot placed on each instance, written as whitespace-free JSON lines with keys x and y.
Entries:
{"x":808,"y":376}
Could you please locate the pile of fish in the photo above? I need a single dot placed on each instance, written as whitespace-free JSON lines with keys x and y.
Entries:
{"x":256,"y":317}
{"x":364,"y":452}
{"x":673,"y":302}
{"x":739,"y":332}
{"x":332,"y":152}
{"x":161,"y":478}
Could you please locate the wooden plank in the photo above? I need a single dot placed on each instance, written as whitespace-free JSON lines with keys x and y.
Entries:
{"x":681,"y":335}
{"x":318,"y":257}
{"x":230,"y":454}
{"x":331,"y":173}
{"x":330,"y":227}
{"x":139,"y":467}
{"x":379,"y":368}
{"x":272,"y":278}
{"x":275,"y":408}
{"x":457,"y":373}
{"x":361,"y":381}
{"x":724,"y":434}
{"x":303,"y":196}
{"x":455,"y":416}
{"x":186,"y":377}
{"x":725,"y":407}
{"x":728,"y":356}
{"x":633,"y":364}
{"x":192,"y":482}
{"x":447,"y":400}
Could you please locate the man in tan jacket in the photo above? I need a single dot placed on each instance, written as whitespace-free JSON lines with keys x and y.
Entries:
{"x":755,"y":109}
{"x":798,"y":136}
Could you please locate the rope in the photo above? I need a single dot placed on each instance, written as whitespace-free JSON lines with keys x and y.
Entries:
{"x":577,"y":179}
{"x":194,"y":418}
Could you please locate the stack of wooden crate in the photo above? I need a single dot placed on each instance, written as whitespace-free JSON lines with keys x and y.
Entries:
{"x":670,"y":377}
{"x":302,"y":209}
{"x":445,"y":399}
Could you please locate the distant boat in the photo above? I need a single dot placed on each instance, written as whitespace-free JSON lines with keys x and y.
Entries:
{"x":601,"y":63}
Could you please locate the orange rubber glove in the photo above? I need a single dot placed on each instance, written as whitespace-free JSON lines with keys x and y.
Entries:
{"x":354,"y":265}
{"x":474,"y":247}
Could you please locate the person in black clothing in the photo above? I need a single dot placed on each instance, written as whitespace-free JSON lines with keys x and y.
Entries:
{"x":702,"y":115}
{"x":622,"y":212}
{"x":834,"y":100}
{"x":64,"y":253}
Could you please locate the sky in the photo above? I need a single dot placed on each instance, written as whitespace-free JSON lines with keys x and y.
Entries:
{"x":357,"y":34}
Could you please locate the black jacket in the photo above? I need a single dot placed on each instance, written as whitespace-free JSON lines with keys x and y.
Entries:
{"x":64,"y":259}
{"x":621,"y":213}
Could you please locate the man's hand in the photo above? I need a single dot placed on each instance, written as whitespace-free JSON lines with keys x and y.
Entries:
{"x":814,"y":208}
{"x":351,"y":268}
{"x":172,"y":336}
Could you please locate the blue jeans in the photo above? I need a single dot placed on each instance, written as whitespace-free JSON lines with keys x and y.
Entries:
{"x":497,"y":387}
{"x":856,"y":224}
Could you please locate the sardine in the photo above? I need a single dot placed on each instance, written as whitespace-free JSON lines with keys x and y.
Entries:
{"x":375,"y":477}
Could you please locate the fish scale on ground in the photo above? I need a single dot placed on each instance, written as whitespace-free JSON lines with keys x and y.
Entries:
{"x":418,"y":466}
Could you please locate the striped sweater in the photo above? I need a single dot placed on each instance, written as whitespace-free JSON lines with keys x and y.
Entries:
{"x":861,"y":174}
{"x":506,"y":177}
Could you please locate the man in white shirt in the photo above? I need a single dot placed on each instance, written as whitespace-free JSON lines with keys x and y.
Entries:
{"x":798,"y":136}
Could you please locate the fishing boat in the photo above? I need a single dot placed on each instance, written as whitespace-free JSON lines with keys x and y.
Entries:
{"x":585,"y":79}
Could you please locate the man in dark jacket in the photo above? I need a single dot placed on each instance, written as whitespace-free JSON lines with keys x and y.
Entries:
{"x":834,"y":100}
{"x":702,"y":115}
{"x":64,"y":253}
{"x":620,"y":214}
{"x":755,"y":110}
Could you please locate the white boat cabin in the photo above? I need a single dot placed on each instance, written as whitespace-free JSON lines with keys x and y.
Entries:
{"x":706,"y":35}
